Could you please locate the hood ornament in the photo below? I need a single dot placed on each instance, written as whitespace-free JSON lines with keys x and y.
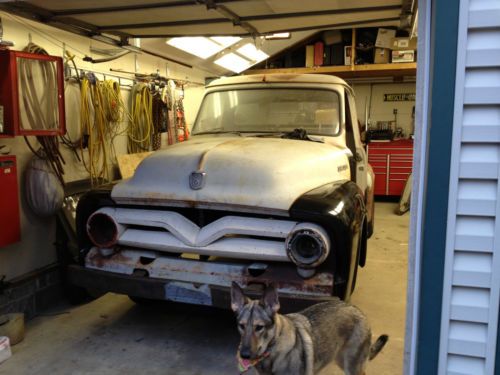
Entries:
{"x":197,"y":180}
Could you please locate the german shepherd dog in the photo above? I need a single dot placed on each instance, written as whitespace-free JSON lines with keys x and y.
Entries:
{"x":301,"y":343}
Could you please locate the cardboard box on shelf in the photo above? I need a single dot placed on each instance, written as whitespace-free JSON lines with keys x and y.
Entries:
{"x":328,"y":56}
{"x":382,"y":56}
{"x":337,"y":54}
{"x":403,"y":56}
{"x":310,"y":56}
{"x":347,"y":55}
{"x":332,"y":37}
{"x":403,"y":44}
{"x":384,"y":38}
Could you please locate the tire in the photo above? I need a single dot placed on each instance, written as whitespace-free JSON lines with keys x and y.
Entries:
{"x":358,"y":254}
{"x":370,"y":228}
{"x":144,"y":302}
{"x":355,"y":276}
{"x":370,"y":225}
{"x":77,"y":295}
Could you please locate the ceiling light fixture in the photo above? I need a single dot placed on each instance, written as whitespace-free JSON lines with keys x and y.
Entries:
{"x":233,"y":62}
{"x":278,"y":36}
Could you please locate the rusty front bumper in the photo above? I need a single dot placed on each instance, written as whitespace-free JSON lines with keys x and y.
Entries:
{"x":195,"y":281}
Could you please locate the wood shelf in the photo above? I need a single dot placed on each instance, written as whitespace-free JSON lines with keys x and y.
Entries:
{"x":349,"y":71}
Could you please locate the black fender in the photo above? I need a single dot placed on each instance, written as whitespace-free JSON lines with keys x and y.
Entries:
{"x":339,"y":208}
{"x":90,"y":202}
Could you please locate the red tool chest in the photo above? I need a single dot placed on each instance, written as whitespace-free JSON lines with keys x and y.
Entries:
{"x":392,"y":164}
{"x":10,"y":230}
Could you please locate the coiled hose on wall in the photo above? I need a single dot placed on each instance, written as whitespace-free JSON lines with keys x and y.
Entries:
{"x":140,"y":128}
{"x":102,"y":111}
{"x":41,"y":106}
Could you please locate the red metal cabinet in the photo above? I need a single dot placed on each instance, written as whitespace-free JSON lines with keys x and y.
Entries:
{"x":392,"y":164}
{"x":10,"y":230}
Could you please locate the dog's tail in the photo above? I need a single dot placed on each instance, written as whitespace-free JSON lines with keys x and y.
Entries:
{"x":378,"y":345}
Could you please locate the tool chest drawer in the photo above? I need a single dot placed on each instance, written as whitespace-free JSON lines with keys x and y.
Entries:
{"x":392,"y":164}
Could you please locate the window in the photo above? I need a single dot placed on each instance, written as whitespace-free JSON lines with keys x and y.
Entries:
{"x":270,"y":110}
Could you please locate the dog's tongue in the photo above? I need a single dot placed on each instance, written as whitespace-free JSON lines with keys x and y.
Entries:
{"x":244,"y":364}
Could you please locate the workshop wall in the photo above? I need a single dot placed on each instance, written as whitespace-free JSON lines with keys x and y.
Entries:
{"x":36,"y":248}
{"x":380,"y":110}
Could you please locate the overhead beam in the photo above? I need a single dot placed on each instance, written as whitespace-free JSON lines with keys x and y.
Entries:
{"x":407,"y":13}
{"x":81,"y":28}
{"x":325,"y":12}
{"x":240,"y":21}
{"x":139,"y":6}
{"x":374,"y":22}
{"x":163,"y":24}
{"x":233,"y":17}
{"x":335,"y":25}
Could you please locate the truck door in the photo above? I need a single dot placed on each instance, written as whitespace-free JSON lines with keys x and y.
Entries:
{"x":353,"y":139}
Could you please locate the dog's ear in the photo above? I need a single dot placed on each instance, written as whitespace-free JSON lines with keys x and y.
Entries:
{"x":270,"y":299}
{"x":238,"y":299}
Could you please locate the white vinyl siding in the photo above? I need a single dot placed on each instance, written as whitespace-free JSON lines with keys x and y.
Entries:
{"x":472,"y":266}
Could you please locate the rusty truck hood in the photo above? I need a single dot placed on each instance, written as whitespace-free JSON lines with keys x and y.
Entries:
{"x":239,"y":171}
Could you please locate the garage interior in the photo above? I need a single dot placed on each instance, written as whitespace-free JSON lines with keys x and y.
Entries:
{"x":135,"y":48}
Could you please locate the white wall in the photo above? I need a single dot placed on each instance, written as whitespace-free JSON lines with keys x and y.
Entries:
{"x":36,"y":247}
{"x":380,"y":110}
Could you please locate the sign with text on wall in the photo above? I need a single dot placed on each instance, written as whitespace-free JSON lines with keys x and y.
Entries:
{"x":405,"y":97}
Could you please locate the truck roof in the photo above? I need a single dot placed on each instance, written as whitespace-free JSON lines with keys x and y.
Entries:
{"x":277,"y":78}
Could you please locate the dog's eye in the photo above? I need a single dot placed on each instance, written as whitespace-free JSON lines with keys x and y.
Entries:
{"x":242,"y":326}
{"x":258,"y":328}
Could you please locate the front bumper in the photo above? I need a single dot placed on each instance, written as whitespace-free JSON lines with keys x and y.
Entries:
{"x":192,"y":281}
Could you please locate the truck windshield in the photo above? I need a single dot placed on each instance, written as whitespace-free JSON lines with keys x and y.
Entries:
{"x":269,"y":110}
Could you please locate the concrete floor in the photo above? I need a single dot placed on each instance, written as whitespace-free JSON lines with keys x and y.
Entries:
{"x":113,"y":336}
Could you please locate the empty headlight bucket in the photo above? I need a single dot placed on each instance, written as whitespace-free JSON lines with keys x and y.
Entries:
{"x":307,"y":245}
{"x":102,"y":229}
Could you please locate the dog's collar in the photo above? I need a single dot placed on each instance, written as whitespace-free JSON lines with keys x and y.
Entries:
{"x":246,"y":364}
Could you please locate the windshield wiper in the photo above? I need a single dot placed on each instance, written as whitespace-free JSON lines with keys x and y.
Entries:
{"x":301,"y":134}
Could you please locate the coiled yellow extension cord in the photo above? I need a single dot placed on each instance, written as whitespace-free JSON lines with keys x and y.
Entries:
{"x":102,"y":112}
{"x":140,"y":128}
{"x":94,"y":130}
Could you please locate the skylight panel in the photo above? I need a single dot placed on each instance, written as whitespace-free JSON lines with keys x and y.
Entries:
{"x":201,"y":46}
{"x":249,"y":50}
{"x":233,"y":62}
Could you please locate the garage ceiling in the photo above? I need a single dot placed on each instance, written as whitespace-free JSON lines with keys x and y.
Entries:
{"x":116,"y":21}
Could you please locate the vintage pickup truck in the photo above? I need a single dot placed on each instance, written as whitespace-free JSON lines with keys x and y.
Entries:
{"x":273,"y":186}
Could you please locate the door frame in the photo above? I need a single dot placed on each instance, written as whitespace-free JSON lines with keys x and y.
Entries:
{"x":436,"y":71}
